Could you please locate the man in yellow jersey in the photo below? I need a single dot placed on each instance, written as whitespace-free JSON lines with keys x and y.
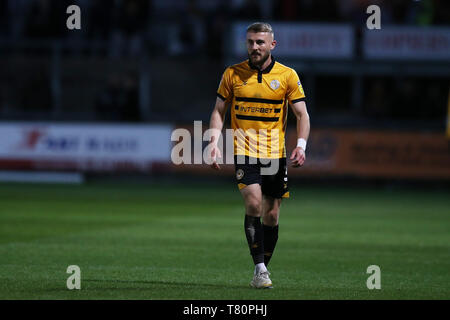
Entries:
{"x":259,"y":91}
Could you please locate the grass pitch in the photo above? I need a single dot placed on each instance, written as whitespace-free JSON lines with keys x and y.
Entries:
{"x":182,"y":241}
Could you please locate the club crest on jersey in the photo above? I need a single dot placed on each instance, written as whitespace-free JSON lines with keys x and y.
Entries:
{"x":239,"y":174}
{"x":300,"y":87}
{"x":275,"y":84}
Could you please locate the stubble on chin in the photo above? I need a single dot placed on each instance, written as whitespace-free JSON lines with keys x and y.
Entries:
{"x":259,"y":62}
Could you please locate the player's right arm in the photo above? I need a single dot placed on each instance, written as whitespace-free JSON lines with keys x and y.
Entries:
{"x":216,"y":125}
{"x":224,"y":94}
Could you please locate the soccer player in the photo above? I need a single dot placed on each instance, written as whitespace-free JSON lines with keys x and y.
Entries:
{"x":259,"y":91}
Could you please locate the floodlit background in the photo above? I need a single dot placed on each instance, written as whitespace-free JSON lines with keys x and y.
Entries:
{"x":158,"y":63}
{"x":90,"y":113}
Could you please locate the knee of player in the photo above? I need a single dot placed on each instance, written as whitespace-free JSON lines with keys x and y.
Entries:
{"x":254,"y":208}
{"x":271,"y":217}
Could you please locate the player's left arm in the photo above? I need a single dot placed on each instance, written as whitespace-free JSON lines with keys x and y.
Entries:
{"x":296,"y":98}
{"x":298,"y":155}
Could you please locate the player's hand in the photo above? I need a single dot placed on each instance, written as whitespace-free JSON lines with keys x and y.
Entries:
{"x":215,"y":153}
{"x":298,"y":157}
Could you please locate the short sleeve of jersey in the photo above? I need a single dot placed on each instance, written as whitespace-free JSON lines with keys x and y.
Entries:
{"x":225,"y":91}
{"x":295,"y":91}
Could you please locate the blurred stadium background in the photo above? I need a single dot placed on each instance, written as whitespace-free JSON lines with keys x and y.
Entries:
{"x":97,"y":107}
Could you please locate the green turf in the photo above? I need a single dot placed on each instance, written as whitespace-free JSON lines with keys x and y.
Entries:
{"x":181,"y":241}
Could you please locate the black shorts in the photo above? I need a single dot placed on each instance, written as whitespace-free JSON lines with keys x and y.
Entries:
{"x":271,"y":175}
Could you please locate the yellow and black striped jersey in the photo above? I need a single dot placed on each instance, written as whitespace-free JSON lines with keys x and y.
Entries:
{"x":259,"y":105}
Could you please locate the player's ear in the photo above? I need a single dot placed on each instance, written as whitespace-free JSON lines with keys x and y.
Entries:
{"x":273,"y":44}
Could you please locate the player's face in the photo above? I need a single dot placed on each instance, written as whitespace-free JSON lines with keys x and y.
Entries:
{"x":259,"y":45}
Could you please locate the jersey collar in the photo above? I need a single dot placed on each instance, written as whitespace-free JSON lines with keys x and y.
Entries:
{"x":266,"y":70}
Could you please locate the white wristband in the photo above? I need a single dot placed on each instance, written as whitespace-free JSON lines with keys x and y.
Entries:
{"x":301,"y":143}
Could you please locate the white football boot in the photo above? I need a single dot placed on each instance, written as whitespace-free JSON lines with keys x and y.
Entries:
{"x":261,"y":280}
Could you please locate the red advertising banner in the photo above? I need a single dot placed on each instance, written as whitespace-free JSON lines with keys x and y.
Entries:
{"x":362,"y":153}
{"x":377,"y":154}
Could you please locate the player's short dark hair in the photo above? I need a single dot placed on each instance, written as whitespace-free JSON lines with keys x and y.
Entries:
{"x":260,"y":27}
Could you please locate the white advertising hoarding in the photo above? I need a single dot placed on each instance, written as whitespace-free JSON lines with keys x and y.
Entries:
{"x":425,"y":43}
{"x":84,"y":146}
{"x":332,"y":41}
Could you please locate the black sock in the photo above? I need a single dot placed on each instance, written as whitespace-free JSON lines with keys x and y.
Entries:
{"x":270,"y":241}
{"x":254,"y":234}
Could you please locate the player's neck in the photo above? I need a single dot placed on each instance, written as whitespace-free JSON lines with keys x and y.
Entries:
{"x":265,"y":65}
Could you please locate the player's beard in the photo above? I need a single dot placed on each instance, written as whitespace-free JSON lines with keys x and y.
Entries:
{"x":260,"y":62}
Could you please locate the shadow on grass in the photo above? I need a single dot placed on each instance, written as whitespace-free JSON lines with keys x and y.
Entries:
{"x":89,"y":290}
{"x":170,"y":283}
